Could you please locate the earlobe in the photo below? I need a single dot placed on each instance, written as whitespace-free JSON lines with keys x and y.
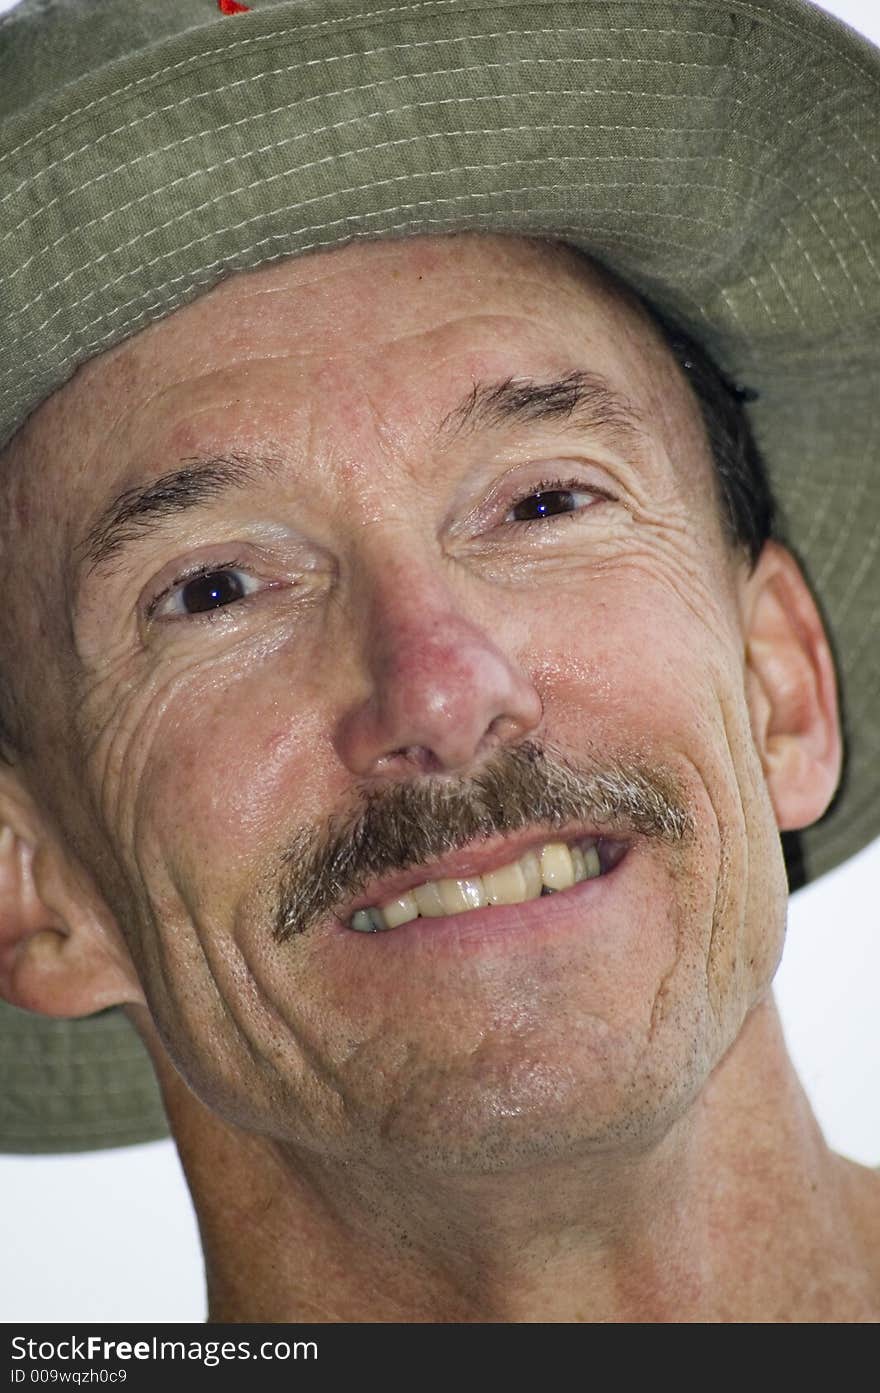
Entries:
{"x":57,"y":956}
{"x":792,"y":691}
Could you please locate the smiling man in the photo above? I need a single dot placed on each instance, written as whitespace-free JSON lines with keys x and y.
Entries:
{"x":403,"y":716}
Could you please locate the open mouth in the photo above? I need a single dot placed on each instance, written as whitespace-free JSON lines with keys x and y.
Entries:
{"x":550,"y":868}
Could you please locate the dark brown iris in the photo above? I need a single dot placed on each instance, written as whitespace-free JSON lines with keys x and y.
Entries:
{"x":211,"y":591}
{"x":542,"y":505}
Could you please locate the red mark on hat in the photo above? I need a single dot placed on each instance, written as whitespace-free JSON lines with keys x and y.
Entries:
{"x":231,"y":7}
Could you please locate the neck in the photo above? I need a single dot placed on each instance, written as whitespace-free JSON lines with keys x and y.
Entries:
{"x":740,"y":1213}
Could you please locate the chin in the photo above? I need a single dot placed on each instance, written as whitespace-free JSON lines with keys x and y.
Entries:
{"x":615,"y":1094}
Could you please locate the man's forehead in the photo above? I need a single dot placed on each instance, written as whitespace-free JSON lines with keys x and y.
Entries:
{"x":178,"y":375}
{"x":327,"y":300}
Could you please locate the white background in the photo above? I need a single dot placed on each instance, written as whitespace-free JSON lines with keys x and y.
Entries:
{"x":111,"y":1235}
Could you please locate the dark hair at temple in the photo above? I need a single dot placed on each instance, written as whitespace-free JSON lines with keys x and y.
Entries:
{"x":749,"y":510}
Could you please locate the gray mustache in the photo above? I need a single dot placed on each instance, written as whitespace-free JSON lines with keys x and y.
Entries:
{"x":401,"y":825}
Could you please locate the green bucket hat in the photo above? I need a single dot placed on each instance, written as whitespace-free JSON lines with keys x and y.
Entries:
{"x":723,"y":158}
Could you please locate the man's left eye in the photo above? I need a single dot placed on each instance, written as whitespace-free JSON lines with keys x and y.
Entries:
{"x":553,"y":498}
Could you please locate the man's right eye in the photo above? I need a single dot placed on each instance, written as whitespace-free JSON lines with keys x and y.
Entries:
{"x":202,"y":591}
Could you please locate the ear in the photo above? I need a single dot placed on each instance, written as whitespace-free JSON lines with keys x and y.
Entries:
{"x":61,"y":952}
{"x":791,"y":690}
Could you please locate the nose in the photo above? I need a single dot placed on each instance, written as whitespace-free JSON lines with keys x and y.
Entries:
{"x":442,"y":694}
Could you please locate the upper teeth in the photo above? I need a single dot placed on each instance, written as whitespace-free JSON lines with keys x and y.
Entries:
{"x":553,"y":866}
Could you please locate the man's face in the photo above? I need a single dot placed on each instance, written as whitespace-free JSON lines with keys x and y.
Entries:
{"x":406,"y":656}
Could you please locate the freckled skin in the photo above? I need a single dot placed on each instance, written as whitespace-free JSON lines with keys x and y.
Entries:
{"x":398,"y":624}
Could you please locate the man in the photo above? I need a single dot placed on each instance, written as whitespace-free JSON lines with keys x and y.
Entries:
{"x":415,"y":684}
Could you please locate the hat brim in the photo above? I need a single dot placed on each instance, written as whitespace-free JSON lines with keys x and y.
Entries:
{"x":722,"y":158}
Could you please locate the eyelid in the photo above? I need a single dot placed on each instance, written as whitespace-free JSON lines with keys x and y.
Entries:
{"x":552,"y":485}
{"x":199,"y":568}
{"x":520,"y":482}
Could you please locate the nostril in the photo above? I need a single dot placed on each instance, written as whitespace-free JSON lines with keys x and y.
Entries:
{"x":504,"y":728}
{"x":419,"y":756}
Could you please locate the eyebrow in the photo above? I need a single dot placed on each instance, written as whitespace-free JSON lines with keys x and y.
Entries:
{"x":586,"y":400}
{"x":583,"y":400}
{"x":138,"y":511}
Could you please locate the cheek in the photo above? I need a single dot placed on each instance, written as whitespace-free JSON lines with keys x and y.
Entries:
{"x":637,"y":672}
{"x":205,"y":758}
{"x":233,"y":777}
{"x":628,"y":666}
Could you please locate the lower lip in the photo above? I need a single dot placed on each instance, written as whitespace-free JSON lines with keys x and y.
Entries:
{"x":546,"y":916}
